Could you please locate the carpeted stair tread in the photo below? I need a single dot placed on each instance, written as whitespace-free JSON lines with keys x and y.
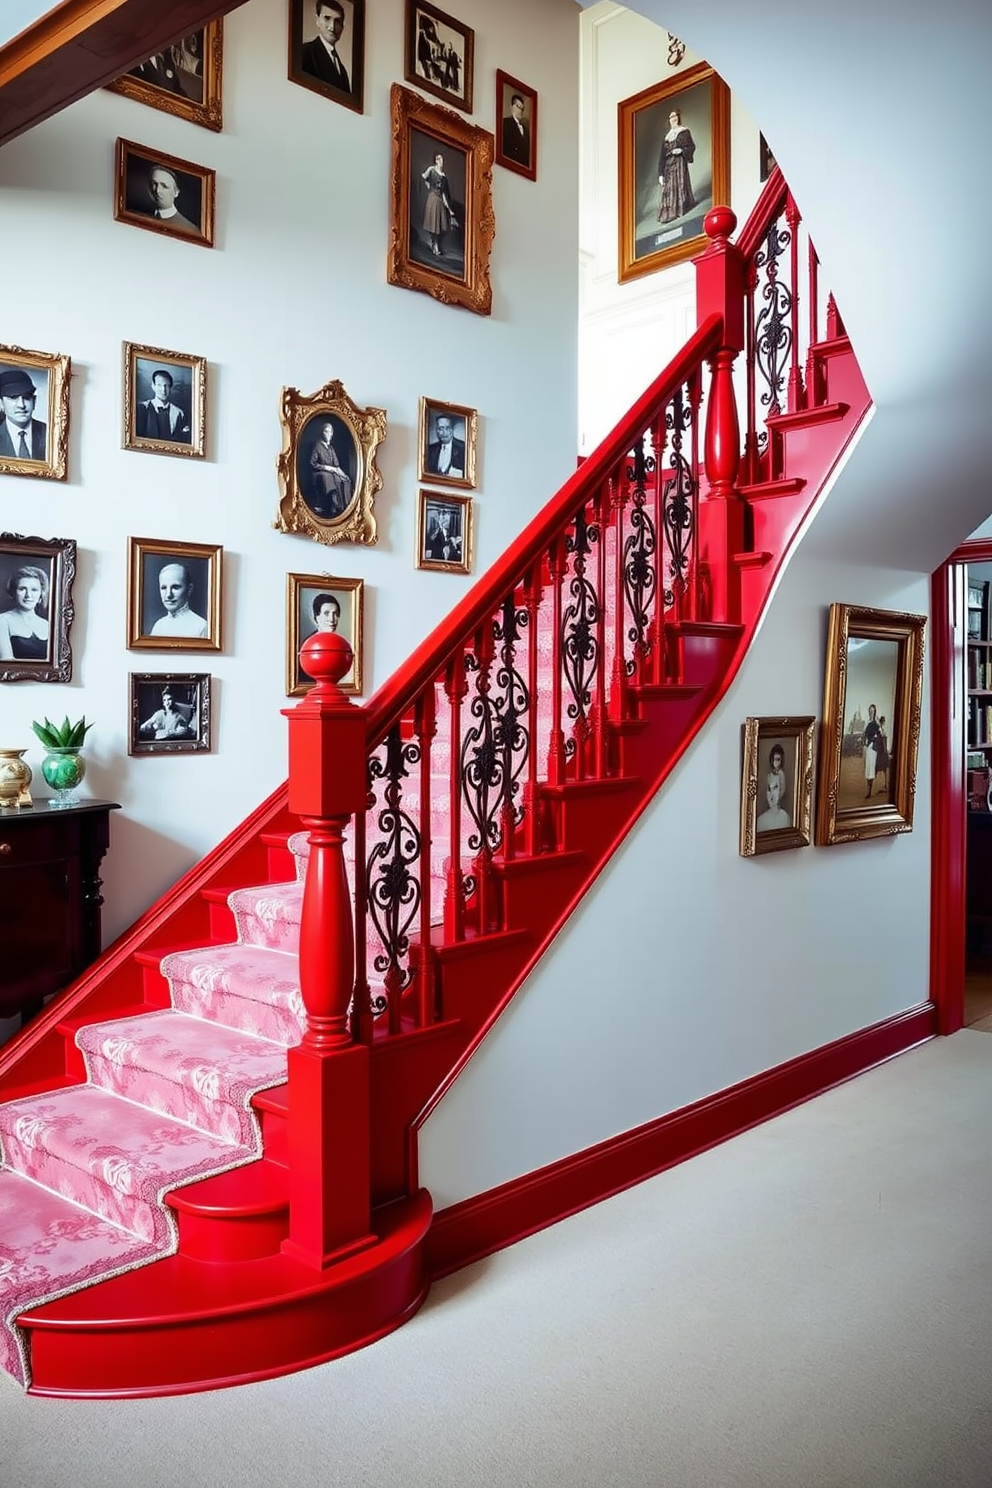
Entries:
{"x":48,"y":1247}
{"x":248,"y":987}
{"x":199,"y":1072}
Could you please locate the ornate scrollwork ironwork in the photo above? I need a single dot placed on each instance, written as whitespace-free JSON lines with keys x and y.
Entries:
{"x":678,"y":504}
{"x":579,"y":643}
{"x":393,"y":884}
{"x":773,"y":328}
{"x":640,"y":574}
{"x":494,"y":749}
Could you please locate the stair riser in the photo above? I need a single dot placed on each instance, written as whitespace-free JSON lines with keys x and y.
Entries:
{"x":93,"y":1188}
{"x":175,"y":1098}
{"x":207,"y":1237}
{"x":219,"y":1005}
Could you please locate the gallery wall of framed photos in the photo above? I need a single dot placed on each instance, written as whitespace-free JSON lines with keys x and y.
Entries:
{"x":232,"y":209}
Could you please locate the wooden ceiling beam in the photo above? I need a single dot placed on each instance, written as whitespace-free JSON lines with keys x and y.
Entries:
{"x":82,"y":44}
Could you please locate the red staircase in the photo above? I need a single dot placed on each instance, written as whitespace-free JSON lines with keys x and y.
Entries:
{"x":480,"y":792}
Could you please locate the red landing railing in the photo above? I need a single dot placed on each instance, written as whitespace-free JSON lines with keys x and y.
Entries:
{"x":457,"y":766}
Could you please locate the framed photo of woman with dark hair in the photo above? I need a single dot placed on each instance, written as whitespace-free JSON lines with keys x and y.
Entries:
{"x":36,"y":610}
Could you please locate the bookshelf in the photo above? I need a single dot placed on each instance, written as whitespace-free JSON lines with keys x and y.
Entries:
{"x":979,"y":666}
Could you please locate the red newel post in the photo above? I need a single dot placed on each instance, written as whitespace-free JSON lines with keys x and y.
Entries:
{"x":720,"y":290}
{"x":328,"y":1071}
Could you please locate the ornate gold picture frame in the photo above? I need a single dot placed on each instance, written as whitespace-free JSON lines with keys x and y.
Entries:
{"x":776,"y":785}
{"x":173,"y":595}
{"x":164,"y":401}
{"x":36,"y":609}
{"x":869,"y":738}
{"x":447,"y":435}
{"x":318,"y":602}
{"x":444,"y":532}
{"x":34,"y":413}
{"x":442,"y":222}
{"x":164,"y":194}
{"x":674,"y":166}
{"x":183,"y":79}
{"x":327,"y":470}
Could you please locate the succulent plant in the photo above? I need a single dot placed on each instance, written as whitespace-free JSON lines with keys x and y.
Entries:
{"x":64,"y":735}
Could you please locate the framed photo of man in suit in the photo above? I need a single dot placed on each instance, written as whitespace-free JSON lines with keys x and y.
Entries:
{"x":164,"y":194}
{"x":516,"y":125}
{"x":34,"y":413}
{"x":444,"y":532}
{"x":327,"y":49}
{"x":164,"y":401}
{"x":173,"y":595}
{"x":446,"y":439}
{"x":183,"y":79}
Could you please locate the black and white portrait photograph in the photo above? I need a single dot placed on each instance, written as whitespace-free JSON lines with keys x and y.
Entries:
{"x":174,"y":600}
{"x":320,"y":604}
{"x":164,"y":401}
{"x":776,"y":784}
{"x":164,"y":194}
{"x":327,"y":465}
{"x":34,"y":413}
{"x":170,"y":713}
{"x":36,"y":610}
{"x":516,"y":125}
{"x":439,"y":54}
{"x":447,"y":442}
{"x":444,"y":532}
{"x":437,"y":205}
{"x":183,"y":79}
{"x":327,"y":49}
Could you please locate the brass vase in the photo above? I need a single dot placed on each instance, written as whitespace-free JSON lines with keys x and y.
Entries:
{"x":15,"y":777}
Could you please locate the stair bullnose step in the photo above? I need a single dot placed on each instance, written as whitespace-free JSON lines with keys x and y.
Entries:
{"x":258,"y":1188}
{"x":823,"y":413}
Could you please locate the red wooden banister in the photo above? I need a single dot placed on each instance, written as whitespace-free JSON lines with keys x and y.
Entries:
{"x":770,"y":204}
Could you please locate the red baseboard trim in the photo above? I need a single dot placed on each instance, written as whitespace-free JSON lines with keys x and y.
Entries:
{"x":491,"y":1221}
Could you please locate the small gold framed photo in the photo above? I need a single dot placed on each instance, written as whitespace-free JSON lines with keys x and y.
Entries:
{"x":34,"y":413}
{"x":318,"y":602}
{"x":173,"y":595}
{"x":441,"y":217}
{"x":776,"y":785}
{"x":327,"y":469}
{"x":170,"y":713}
{"x":164,"y":401}
{"x":444,"y":532}
{"x":183,"y":79}
{"x":869,"y":738}
{"x":447,"y":435}
{"x":164,"y":194}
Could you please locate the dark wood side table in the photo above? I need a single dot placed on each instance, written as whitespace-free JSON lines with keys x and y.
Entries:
{"x":50,"y":898}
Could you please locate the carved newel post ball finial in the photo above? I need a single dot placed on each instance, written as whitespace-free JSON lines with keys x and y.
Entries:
{"x":720,"y":222}
{"x":326,"y":657}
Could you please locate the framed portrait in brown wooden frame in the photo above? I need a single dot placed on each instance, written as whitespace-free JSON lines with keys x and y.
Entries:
{"x":516,"y":125}
{"x":442,"y":223}
{"x":170,"y":713}
{"x":183,"y":79}
{"x":327,"y":469}
{"x":327,"y":49}
{"x":164,"y":194}
{"x":318,"y":602}
{"x":36,"y":610}
{"x":444,"y":532}
{"x":173,"y":595}
{"x":164,"y":401}
{"x":869,"y":738}
{"x":674,"y":166}
{"x":34,"y":413}
{"x":776,"y":785}
{"x":439,"y":54}
{"x":447,"y":435}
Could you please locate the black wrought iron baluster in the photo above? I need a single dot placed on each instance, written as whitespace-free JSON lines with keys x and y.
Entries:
{"x":679,"y":505}
{"x":393,"y":868}
{"x":579,"y":645}
{"x":640,"y":569}
{"x":773,"y":327}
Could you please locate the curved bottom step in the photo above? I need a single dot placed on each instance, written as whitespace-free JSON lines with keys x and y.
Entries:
{"x":182,"y":1325}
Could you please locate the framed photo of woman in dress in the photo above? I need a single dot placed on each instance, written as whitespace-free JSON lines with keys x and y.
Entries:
{"x":164,"y":401}
{"x":183,"y":79}
{"x":170,"y":713}
{"x":36,"y":610}
{"x":872,"y":702}
{"x":776,"y":784}
{"x":327,"y":469}
{"x":674,"y":166}
{"x":442,"y":222}
{"x":439,"y":54}
{"x":318,"y":603}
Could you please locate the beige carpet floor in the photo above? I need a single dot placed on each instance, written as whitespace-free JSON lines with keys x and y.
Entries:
{"x":807,"y":1306}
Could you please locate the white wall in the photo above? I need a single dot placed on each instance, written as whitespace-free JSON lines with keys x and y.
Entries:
{"x":293,"y":294}
{"x":689,"y":968}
